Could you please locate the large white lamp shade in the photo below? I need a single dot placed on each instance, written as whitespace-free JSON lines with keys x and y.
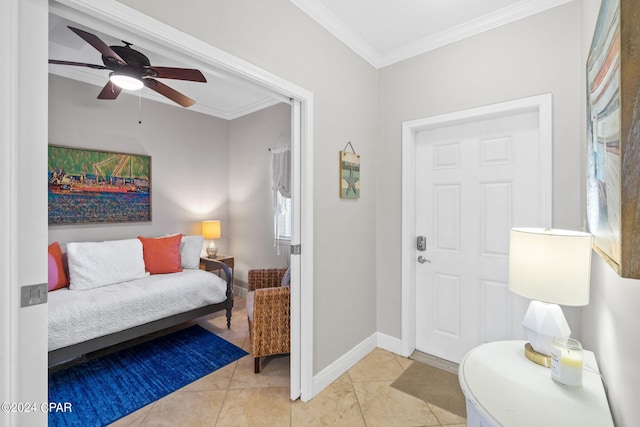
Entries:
{"x":551,"y":267}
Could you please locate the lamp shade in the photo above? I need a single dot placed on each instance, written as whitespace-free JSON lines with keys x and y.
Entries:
{"x":211,"y":229}
{"x":550,"y":265}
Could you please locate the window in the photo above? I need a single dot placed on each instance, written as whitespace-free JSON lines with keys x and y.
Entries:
{"x":281,"y":187}
{"x":282,"y":219}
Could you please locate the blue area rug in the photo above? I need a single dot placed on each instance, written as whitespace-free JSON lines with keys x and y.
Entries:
{"x":104,"y":390}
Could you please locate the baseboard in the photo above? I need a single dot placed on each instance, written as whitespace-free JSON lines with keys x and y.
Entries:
{"x":240,"y":291}
{"x":389,"y":343}
{"x":332,"y":372}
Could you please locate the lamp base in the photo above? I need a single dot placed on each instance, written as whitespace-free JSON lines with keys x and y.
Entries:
{"x":542,"y":323}
{"x":534,"y":356}
{"x":212,"y":251}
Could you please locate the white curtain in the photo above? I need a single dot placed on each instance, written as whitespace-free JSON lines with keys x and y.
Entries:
{"x":280,"y":182}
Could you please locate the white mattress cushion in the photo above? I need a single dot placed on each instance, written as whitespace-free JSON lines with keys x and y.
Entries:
{"x":95,"y":264}
{"x":76,"y":316}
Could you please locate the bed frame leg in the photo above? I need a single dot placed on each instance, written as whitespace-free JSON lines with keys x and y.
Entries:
{"x":229,"y":306}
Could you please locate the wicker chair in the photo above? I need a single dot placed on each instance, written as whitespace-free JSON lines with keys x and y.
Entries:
{"x":269,"y":330}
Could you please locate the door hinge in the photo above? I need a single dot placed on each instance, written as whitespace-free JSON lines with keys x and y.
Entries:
{"x":33,"y":295}
{"x":295,"y":249}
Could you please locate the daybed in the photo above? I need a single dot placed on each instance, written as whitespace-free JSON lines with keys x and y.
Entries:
{"x":125,"y":289}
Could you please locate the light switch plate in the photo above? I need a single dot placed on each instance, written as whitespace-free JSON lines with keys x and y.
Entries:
{"x":33,"y":295}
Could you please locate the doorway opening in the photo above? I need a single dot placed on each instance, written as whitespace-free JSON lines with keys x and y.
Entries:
{"x":111,"y":14}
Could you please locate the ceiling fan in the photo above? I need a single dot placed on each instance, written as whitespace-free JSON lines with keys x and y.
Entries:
{"x":132,"y":70}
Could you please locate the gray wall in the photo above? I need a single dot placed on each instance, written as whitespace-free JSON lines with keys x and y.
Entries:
{"x":278,"y":37}
{"x":609,"y":322}
{"x":536,"y":55}
{"x":189,"y":158}
{"x":250,"y":204}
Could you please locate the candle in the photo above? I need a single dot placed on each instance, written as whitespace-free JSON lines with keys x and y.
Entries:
{"x":566,"y":362}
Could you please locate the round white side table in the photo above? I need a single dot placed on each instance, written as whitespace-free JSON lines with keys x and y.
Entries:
{"x":504,"y":388}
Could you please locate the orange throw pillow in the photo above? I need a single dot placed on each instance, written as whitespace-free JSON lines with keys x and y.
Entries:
{"x":162,"y":254}
{"x":57,"y":276}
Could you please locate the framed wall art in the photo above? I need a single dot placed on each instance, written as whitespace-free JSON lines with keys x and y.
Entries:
{"x":89,"y":186}
{"x":349,"y":173}
{"x":613,"y":136}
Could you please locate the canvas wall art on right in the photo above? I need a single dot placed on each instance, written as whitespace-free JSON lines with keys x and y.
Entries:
{"x":613,"y":136}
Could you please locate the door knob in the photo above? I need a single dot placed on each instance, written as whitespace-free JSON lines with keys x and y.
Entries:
{"x":422,"y":259}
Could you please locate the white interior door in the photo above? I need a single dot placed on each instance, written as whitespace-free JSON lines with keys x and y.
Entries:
{"x":474,"y":182}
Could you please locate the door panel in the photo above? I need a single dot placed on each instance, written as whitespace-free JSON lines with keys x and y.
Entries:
{"x":474,"y":182}
{"x":295,"y":381}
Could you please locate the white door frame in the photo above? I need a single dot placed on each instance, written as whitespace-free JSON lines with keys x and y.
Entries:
{"x":540,"y":103}
{"x":121,"y":16}
{"x":8,"y":77}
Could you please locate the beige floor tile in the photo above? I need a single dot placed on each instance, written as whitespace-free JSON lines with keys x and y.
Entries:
{"x":186,"y":409}
{"x":379,"y":365}
{"x":446,"y":417}
{"x":217,"y":380}
{"x":269,"y":407}
{"x":404,"y":362}
{"x":134,"y":419}
{"x":335,"y":406}
{"x":219,"y":325}
{"x":274,"y":373}
{"x":383,"y":405}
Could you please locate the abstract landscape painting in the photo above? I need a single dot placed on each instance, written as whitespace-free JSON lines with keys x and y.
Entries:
{"x":89,"y":186}
{"x":603,"y":130}
{"x":613,"y":130}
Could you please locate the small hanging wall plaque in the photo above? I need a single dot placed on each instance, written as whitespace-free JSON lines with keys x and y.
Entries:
{"x":349,"y":173}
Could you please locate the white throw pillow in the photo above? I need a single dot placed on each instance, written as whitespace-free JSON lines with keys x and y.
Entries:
{"x":96,"y":264}
{"x":190,"y":250}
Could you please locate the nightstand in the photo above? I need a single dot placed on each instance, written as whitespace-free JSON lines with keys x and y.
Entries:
{"x":205,"y":264}
{"x":504,"y":388}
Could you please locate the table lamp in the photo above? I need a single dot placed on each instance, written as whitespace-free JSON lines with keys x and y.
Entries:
{"x":551,"y":267}
{"x":210,"y":231}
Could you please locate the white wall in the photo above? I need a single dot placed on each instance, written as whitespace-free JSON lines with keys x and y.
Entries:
{"x":250,"y":196}
{"x":609,"y":322}
{"x":189,"y":158}
{"x":536,"y":55}
{"x":278,"y":37}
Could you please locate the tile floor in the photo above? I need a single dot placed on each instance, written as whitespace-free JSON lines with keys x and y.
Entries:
{"x":235,"y":396}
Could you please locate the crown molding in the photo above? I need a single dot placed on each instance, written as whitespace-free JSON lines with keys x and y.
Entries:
{"x":316,"y":10}
{"x":323,"y":16}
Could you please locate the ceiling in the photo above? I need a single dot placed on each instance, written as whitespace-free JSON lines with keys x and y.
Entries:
{"x":382,"y":32}
{"x":223,"y":95}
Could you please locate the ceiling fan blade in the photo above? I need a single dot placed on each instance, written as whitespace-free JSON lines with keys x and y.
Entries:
{"x":79,"y":64}
{"x":165,"y":90}
{"x":189,"y":74}
{"x":110,"y":91}
{"x":101,"y":46}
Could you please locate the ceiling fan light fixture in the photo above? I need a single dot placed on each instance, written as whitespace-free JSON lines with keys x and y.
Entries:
{"x":126,"y":82}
